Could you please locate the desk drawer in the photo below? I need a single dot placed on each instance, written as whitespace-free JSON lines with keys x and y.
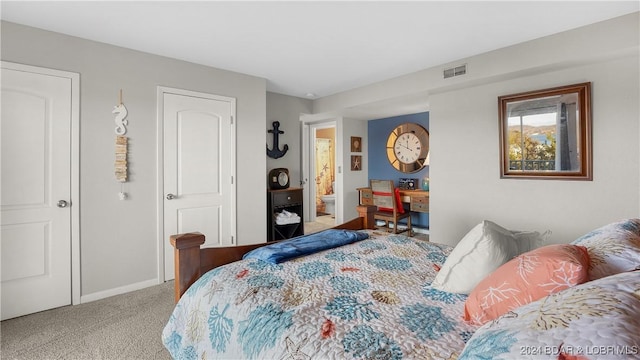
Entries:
{"x":284,"y":198}
{"x":420,"y":203}
{"x":366,"y":197}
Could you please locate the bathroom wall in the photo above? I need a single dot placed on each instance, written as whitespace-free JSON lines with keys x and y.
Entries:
{"x":325,"y":164}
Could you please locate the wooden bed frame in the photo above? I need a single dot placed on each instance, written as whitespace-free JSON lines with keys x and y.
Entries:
{"x":191,"y":260}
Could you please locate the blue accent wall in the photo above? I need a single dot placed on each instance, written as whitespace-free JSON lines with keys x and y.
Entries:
{"x":380,"y":167}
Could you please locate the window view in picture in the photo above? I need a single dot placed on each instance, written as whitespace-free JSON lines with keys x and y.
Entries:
{"x":546,"y":134}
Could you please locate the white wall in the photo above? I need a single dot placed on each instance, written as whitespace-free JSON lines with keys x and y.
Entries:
{"x":286,"y":110}
{"x":605,"y":40}
{"x":465,"y":177}
{"x":349,"y":180}
{"x":464,"y":170}
{"x":119,"y":239}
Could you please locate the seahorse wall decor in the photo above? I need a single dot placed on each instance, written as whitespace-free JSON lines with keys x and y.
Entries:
{"x":121,"y":143}
{"x":275,"y":152}
{"x":121,"y":121}
{"x":121,"y":113}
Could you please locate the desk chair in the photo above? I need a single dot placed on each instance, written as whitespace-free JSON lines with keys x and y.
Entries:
{"x":389,"y":205}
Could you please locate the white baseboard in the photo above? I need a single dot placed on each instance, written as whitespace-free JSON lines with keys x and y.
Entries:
{"x":117,"y":291}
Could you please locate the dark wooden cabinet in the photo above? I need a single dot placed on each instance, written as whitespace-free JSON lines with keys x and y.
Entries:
{"x":278,"y":200}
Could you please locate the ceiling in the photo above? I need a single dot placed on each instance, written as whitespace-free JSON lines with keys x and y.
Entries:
{"x":313,"y":49}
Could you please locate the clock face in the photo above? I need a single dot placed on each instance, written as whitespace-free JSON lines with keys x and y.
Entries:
{"x":283,"y":179}
{"x":407,"y":148}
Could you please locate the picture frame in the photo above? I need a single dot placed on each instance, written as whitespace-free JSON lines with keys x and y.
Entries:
{"x":356,"y":144}
{"x":356,"y":162}
{"x":546,"y":134}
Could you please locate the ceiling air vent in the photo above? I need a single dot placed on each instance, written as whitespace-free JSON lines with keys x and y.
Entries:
{"x":455,"y":71}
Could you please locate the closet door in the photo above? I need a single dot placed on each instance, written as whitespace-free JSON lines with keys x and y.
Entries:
{"x":36,"y":191}
{"x":199,"y":166}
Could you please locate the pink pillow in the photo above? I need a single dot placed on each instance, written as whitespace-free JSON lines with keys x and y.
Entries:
{"x":527,"y":278}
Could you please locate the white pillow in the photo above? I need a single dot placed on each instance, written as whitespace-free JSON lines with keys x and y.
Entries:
{"x":530,"y":240}
{"x":484,"y":249}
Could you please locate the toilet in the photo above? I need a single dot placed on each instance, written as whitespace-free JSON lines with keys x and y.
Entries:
{"x":330,"y":201}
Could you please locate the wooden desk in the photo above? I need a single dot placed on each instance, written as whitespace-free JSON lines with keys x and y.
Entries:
{"x":418,"y":200}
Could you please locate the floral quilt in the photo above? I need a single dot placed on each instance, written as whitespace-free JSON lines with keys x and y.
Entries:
{"x":368,"y":300}
{"x":599,"y":319}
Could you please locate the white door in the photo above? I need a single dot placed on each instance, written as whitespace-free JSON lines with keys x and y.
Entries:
{"x":36,"y":192}
{"x":199,"y":169}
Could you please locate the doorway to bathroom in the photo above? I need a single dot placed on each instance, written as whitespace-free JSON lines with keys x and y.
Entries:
{"x":322,"y":174}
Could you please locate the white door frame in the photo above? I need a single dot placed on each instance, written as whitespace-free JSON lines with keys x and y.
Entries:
{"x":75,"y":167}
{"x":163,"y":239}
{"x":308,"y":155}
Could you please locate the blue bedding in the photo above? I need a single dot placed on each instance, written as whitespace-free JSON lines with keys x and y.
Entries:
{"x":371,"y":299}
{"x":305,"y":245}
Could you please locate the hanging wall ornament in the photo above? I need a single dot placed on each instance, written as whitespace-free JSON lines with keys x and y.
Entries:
{"x":122,"y":143}
{"x":275,"y":152}
{"x":121,"y":113}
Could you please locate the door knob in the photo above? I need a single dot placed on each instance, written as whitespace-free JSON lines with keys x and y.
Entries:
{"x":62,"y":204}
{"x":170,"y":196}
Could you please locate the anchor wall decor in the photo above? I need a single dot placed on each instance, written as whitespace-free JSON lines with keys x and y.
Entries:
{"x":276,"y":153}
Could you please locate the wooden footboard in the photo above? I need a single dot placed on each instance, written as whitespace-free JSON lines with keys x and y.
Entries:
{"x":191,"y":260}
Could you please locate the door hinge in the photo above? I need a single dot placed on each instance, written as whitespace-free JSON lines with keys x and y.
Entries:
{"x":232,"y":180}
{"x":232,"y":240}
{"x":231,"y":119}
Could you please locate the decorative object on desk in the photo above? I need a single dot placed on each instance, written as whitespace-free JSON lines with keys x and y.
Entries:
{"x":546,"y":134}
{"x":278,"y":179}
{"x":425,"y":184}
{"x":356,"y":144}
{"x":275,"y":152}
{"x":407,"y":147}
{"x":407,"y":183}
{"x":356,"y":162}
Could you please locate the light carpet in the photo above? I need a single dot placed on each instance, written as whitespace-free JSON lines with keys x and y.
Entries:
{"x":127,"y":326}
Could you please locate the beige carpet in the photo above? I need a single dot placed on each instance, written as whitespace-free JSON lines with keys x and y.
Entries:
{"x":127,"y":326}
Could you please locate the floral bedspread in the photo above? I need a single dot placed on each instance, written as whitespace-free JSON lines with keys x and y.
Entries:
{"x":371,"y":299}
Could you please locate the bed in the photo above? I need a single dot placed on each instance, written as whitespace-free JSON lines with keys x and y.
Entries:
{"x":380,"y":297}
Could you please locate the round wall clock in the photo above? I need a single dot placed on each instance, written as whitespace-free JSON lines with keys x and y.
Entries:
{"x":407,"y":147}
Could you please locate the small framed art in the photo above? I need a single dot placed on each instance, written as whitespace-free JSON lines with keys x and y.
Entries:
{"x":356,"y":162}
{"x":356,"y":144}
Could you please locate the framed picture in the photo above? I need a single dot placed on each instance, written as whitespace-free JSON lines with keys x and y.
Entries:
{"x":356,"y":162}
{"x":557,"y":123}
{"x":356,"y":144}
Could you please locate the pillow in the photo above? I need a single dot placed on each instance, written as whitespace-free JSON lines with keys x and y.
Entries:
{"x":529,"y":240}
{"x":478,"y":254}
{"x":399,"y":205}
{"x":527,"y":278}
{"x":613,"y":248}
{"x":596,"y":320}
